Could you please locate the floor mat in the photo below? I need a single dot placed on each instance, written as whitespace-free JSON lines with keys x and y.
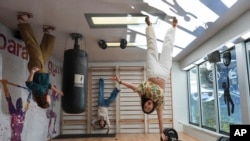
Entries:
{"x":83,"y":136}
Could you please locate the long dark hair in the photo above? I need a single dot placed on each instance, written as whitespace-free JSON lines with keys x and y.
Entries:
{"x":144,"y":99}
{"x":41,"y":100}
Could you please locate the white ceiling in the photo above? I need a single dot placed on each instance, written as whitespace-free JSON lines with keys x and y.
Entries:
{"x":198,"y":21}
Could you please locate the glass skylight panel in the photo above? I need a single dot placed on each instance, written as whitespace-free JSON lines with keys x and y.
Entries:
{"x":176,"y":51}
{"x":194,"y":18}
{"x":229,"y":3}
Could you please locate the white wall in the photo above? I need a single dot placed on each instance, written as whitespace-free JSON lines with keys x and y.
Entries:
{"x":180,"y":96}
{"x":13,"y":68}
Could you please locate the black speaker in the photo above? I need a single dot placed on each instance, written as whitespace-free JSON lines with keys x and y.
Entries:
{"x":102,"y":44}
{"x":123,"y":43}
{"x":214,"y":57}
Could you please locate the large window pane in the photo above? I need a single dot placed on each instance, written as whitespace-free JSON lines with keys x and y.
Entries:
{"x":207,"y":95}
{"x":194,"y":113}
{"x":227,"y":75}
{"x":248,"y":58}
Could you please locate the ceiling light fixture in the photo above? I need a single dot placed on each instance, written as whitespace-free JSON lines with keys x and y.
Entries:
{"x":119,"y":20}
{"x":102,"y":44}
{"x":123,"y":43}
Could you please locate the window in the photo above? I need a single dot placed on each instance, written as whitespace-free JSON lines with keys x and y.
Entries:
{"x":215,"y":94}
{"x":193,"y":97}
{"x":207,"y":95}
{"x":248,"y":57}
{"x":228,"y":75}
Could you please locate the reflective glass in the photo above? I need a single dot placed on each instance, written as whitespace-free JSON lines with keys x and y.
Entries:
{"x":194,"y":114}
{"x":207,"y":95}
{"x":228,"y":89}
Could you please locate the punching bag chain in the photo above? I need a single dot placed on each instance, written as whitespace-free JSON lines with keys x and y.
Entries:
{"x":75,"y":37}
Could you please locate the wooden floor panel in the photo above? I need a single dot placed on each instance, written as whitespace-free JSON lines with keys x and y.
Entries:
{"x":130,"y":137}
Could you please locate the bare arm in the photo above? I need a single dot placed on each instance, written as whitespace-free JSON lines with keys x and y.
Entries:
{"x":160,"y":119}
{"x":125,"y":83}
{"x":93,"y":123}
{"x":32,"y":72}
{"x":128,"y":85}
{"x":56,"y":90}
{"x":108,"y":123}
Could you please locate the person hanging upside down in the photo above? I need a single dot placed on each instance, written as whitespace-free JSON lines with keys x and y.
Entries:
{"x":38,"y":79}
{"x":157,"y":71}
{"x":103,"y":105}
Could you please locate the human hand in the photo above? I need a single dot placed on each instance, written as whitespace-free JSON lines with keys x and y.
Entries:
{"x":35,"y":69}
{"x":60,"y":93}
{"x":57,"y":91}
{"x":163,"y":137}
{"x":107,"y":131}
{"x":116,"y":78}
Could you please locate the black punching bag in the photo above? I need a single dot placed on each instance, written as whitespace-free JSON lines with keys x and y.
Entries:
{"x":75,"y":78}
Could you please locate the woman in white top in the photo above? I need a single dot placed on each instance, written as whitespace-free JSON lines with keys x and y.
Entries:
{"x":158,"y":70}
{"x":103,"y":105}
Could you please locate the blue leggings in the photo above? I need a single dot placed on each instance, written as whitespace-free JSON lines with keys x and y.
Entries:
{"x":101,"y":100}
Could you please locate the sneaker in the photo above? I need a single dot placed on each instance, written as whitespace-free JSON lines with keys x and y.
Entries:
{"x":23,"y":16}
{"x":48,"y":28}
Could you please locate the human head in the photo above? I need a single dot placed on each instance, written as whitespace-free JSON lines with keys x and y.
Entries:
{"x":42,"y":101}
{"x":175,"y":22}
{"x":224,"y":85}
{"x":147,"y":105}
{"x":102,"y":123}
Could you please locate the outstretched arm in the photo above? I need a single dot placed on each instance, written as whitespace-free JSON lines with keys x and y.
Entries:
{"x":125,"y":83}
{"x":93,"y":123}
{"x":108,"y":123}
{"x":160,"y":120}
{"x":56,"y":90}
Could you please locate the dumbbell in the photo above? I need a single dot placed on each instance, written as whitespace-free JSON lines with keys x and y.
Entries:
{"x":171,"y":134}
{"x":222,"y":138}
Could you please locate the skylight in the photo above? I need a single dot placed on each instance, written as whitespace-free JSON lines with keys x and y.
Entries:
{"x":117,"y":20}
{"x":194,"y":18}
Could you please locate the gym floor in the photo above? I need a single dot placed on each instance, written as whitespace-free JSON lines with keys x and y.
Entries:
{"x":130,"y":137}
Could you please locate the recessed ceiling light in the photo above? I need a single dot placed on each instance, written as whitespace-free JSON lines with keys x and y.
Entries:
{"x":118,"y":20}
{"x":129,"y":44}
